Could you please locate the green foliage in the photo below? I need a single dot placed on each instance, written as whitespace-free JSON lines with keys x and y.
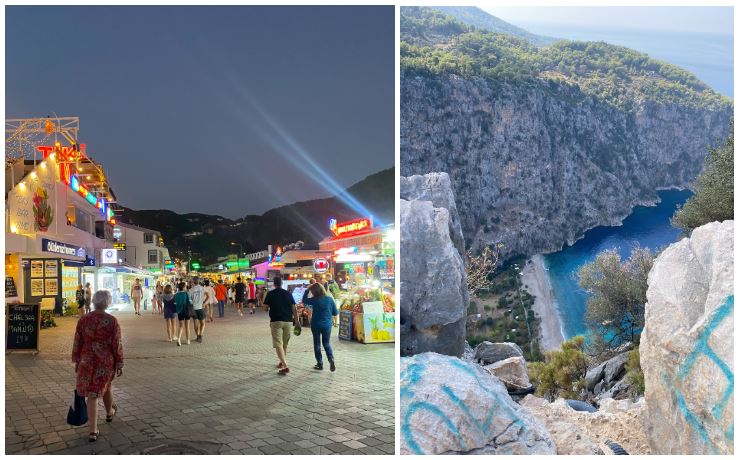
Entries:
{"x":474,"y":340}
{"x":487,"y":308}
{"x":635,"y":377}
{"x":713,"y":197}
{"x":433,"y":44}
{"x":616,"y":307}
{"x":472,"y":309}
{"x":562,"y":373}
{"x":47,"y":320}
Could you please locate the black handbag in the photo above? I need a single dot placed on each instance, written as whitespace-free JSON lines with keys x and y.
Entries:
{"x":78,"y":412}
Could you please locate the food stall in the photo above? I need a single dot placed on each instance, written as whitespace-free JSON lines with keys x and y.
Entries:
{"x":364,"y":264}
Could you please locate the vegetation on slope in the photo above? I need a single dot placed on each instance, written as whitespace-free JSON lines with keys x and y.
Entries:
{"x":713,"y":195}
{"x":433,"y":44}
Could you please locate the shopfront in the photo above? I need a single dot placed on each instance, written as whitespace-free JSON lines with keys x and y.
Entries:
{"x":364,"y":266}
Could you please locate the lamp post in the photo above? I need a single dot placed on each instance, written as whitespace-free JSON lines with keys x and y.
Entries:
{"x":240,"y":249}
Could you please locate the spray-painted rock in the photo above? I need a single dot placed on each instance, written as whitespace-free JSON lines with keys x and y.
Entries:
{"x":449,"y":406}
{"x":686,"y":350}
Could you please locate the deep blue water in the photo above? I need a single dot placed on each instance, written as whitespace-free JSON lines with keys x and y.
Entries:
{"x":647,"y":226}
{"x":708,"y":56}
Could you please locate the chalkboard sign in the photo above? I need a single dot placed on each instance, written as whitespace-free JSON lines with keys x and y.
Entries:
{"x":22,"y":322}
{"x":10,"y":287}
{"x":345,"y":323}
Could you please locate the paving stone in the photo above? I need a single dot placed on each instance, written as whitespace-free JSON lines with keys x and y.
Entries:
{"x":224,"y":391}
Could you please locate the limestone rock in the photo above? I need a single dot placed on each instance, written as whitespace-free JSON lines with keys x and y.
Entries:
{"x":436,"y":187}
{"x":434,"y":297}
{"x":517,"y":168}
{"x":513,"y":372}
{"x":488,"y":352}
{"x":585,"y":433}
{"x":607,"y":375}
{"x":686,"y":348}
{"x":449,"y":406}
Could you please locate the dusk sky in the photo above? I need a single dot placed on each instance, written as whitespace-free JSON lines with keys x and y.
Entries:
{"x":220,"y":110}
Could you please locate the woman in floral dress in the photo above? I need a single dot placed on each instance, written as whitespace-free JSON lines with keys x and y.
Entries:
{"x":98,"y":357}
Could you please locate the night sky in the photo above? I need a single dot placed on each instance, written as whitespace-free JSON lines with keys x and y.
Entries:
{"x":220,"y":110}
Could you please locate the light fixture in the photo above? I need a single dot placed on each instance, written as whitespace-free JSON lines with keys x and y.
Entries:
{"x":13,"y":228}
{"x":33,"y":175}
{"x":43,"y":165}
{"x":22,"y":186}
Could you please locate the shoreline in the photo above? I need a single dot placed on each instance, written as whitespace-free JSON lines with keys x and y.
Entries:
{"x":537,"y":281}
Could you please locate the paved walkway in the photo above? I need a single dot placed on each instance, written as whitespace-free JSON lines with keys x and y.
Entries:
{"x":221,"y":396}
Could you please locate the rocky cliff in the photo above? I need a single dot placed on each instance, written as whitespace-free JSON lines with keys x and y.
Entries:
{"x":434,"y":295}
{"x":686,"y":350}
{"x":534,"y":167}
{"x":542,"y":144}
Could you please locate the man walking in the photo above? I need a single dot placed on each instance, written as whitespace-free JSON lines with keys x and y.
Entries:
{"x":221,"y":297}
{"x":251,"y":291}
{"x":239,"y":295}
{"x":199,"y":297}
{"x":280,"y":304}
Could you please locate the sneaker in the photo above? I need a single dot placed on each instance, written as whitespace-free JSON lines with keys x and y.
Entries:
{"x":283,"y":371}
{"x":318,"y":367}
{"x":332,"y":366}
{"x":188,"y":341}
{"x":174,"y":338}
{"x":199,"y":339}
{"x":179,"y":342}
{"x":280,"y":365}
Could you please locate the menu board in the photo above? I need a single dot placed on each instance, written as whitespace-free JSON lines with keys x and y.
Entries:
{"x":37,"y":287}
{"x":51,"y":287}
{"x":10,"y":287}
{"x":22,"y":323}
{"x":50,"y":268}
{"x":344,"y":325}
{"x":37,"y":269}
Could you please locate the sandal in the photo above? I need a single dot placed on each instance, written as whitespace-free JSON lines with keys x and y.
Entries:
{"x":92,"y":437}
{"x":114,"y":411}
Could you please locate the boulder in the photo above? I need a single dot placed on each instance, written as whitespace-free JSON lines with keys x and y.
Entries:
{"x":468,"y":353}
{"x":488,"y":352}
{"x":686,"y":348}
{"x":617,"y":391}
{"x":605,"y":375}
{"x":434,"y":295}
{"x":448,"y":406}
{"x":513,"y":372}
{"x":436,"y":187}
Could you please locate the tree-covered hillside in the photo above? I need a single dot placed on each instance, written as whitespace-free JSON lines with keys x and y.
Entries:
{"x":434,"y":43}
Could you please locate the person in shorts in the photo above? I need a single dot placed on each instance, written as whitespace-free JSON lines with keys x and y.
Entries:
{"x":198,"y":297}
{"x":239,"y":295}
{"x":251,"y":295}
{"x":182,"y":304}
{"x":280,"y":304}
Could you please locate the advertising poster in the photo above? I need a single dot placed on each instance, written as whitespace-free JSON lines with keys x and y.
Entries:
{"x":50,"y":268}
{"x":379,"y":326}
{"x":37,"y":268}
{"x":37,"y":287}
{"x":51,"y":287}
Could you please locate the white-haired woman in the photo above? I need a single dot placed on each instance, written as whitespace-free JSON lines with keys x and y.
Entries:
{"x":98,"y":357}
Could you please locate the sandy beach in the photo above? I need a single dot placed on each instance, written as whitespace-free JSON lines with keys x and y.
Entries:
{"x":537,"y":281}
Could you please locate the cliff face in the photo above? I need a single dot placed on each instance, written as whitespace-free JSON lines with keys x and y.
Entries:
{"x":535,"y":165}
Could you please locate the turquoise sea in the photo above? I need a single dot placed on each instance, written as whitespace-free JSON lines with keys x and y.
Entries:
{"x":647,"y":226}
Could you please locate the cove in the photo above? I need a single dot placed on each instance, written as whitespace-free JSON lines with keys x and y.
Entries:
{"x":647,"y":226}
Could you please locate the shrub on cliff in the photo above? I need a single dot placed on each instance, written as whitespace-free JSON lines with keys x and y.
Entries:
{"x":713,"y":193}
{"x":616,"y":307}
{"x":635,"y":377}
{"x":562,"y":373}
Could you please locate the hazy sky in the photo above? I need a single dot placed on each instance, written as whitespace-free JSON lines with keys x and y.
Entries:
{"x":693,"y":19}
{"x":221,"y":110}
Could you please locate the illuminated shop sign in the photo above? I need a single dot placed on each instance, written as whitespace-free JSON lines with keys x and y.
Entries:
{"x":66,"y":156}
{"x":120,"y":246}
{"x":321,"y":265}
{"x":352,"y":227}
{"x":62,"y":248}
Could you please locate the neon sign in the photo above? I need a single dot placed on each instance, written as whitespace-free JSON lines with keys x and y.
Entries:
{"x":352,"y":227}
{"x":65,"y":156}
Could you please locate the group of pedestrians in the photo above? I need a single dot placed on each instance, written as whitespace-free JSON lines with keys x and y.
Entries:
{"x":317,"y":304}
{"x":97,"y":347}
